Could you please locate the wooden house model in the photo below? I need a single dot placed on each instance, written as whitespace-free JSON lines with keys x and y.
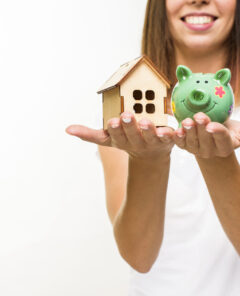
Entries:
{"x":139,"y":87}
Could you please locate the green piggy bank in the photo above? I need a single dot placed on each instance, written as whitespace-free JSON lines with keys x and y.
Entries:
{"x":198,"y":92}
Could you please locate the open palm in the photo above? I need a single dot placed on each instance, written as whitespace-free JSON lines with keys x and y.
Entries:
{"x":208,"y":139}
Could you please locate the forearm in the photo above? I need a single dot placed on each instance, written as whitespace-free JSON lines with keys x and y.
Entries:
{"x":138,"y":227}
{"x":222,"y":177}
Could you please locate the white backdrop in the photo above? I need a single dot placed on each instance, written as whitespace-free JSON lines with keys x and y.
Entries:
{"x":55,"y":235}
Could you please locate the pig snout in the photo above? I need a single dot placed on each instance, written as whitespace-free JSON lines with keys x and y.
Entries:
{"x":198,"y":99}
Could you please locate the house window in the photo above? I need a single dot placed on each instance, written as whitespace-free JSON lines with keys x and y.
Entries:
{"x":150,"y":108}
{"x":150,"y":95}
{"x":138,"y":108}
{"x":137,"y":94}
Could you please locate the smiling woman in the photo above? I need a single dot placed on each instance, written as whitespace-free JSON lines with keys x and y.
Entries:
{"x":197,"y":28}
{"x":178,"y":226}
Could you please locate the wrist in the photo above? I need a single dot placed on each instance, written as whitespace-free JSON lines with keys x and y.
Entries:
{"x":152,"y":161}
{"x":217,"y":162}
{"x":148,"y":171}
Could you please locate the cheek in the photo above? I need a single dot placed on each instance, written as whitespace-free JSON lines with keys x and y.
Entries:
{"x":227,"y":8}
{"x":173,"y":7}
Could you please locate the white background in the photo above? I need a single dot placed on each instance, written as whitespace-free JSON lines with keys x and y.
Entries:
{"x":55,"y":235}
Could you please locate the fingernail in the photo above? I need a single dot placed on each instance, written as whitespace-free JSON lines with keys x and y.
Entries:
{"x":188,"y":127}
{"x":70,"y":130}
{"x":127,"y":119}
{"x":209,"y":130}
{"x":115,"y":125}
{"x":181,"y":135}
{"x":144,"y":127}
{"x":200,"y":121}
{"x":164,"y":137}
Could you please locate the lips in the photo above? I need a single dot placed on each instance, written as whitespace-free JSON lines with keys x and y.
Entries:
{"x":199,"y":21}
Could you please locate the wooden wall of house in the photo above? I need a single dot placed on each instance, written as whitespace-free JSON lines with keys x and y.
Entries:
{"x":111,"y":105}
{"x":144,"y":78}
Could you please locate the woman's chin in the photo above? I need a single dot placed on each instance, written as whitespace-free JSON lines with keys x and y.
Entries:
{"x":199,"y":44}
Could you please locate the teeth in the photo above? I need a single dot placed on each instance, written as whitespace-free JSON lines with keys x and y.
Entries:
{"x":198,"y":19}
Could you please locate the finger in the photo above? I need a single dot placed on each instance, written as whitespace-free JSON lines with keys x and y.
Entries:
{"x":116,"y":132}
{"x":201,"y":118}
{"x":131,"y":129}
{"x":207,"y":147}
{"x":165,"y":134}
{"x":149,"y":132}
{"x":222,"y":138}
{"x":180,"y":138}
{"x":192,"y":144}
{"x":234,"y":129}
{"x":100,"y":137}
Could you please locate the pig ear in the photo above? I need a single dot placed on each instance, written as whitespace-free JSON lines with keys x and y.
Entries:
{"x":223,"y":75}
{"x":183,"y":73}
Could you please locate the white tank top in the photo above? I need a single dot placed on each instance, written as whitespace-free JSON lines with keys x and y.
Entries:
{"x":196,"y":257}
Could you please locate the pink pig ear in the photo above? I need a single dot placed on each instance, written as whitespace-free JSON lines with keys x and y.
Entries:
{"x":183,"y":73}
{"x":223,"y":75}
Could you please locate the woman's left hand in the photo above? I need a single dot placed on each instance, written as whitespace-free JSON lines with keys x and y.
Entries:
{"x":206,"y":139}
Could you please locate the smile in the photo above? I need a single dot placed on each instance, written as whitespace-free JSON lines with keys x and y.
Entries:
{"x":197,"y":22}
{"x":194,"y":111}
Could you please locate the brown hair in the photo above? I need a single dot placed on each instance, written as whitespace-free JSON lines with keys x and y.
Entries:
{"x":157,"y":43}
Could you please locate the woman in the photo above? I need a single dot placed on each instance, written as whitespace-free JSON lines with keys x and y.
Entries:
{"x":184,"y":240}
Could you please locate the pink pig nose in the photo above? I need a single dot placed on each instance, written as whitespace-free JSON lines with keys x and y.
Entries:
{"x":198,"y":99}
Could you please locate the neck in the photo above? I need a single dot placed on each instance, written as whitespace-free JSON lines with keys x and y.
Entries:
{"x":202,"y":62}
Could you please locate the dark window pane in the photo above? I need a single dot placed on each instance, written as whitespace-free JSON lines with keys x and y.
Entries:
{"x":138,"y":108}
{"x":150,"y":95}
{"x":150,"y":108}
{"x":137,"y":94}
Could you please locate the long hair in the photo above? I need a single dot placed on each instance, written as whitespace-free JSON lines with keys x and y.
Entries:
{"x":158,"y":46}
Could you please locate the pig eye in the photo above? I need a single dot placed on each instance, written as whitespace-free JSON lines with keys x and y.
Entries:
{"x":206,"y":81}
{"x":198,"y":81}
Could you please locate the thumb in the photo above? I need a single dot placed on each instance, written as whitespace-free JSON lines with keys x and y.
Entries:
{"x":99,"y":137}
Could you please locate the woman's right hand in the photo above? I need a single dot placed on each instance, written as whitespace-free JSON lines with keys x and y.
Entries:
{"x":141,"y":140}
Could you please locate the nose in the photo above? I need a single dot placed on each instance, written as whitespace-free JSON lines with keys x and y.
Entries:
{"x":198,"y":100}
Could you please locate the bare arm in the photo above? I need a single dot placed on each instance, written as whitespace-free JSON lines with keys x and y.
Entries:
{"x":213,"y":145}
{"x":136,"y":205}
{"x":222,"y":176}
{"x":136,"y":183}
{"x":115,"y":167}
{"x":138,"y":226}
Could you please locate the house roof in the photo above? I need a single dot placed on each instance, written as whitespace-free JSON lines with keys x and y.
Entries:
{"x":124,"y":71}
